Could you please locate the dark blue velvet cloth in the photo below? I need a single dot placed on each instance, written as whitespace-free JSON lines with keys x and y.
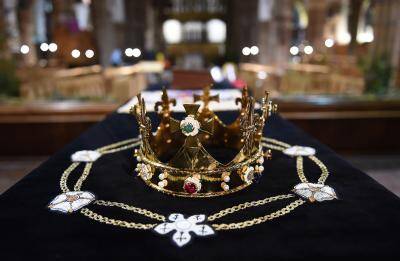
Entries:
{"x":364,"y":222}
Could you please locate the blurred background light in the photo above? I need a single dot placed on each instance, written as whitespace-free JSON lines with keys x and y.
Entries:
{"x":254,"y":50}
{"x":172,"y":31}
{"x":136,"y":52}
{"x":44,"y":47}
{"x":53,"y":47}
{"x":75,"y":53}
{"x":308,"y":49}
{"x":262,"y":75}
{"x":216,"y":31}
{"x":24,"y":49}
{"x":216,"y":74}
{"x":329,"y":43}
{"x":246,"y":51}
{"x":294,"y":50}
{"x":129,"y":52}
{"x":89,"y":53}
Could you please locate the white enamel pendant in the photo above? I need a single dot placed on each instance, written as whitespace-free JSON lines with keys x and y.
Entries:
{"x":85,"y":156}
{"x":315,"y":192}
{"x":299,"y":151}
{"x":183,"y":226}
{"x":71,"y":201}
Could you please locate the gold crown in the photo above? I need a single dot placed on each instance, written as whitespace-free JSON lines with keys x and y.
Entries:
{"x":180,"y":158}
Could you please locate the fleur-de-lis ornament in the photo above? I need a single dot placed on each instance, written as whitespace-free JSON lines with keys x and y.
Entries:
{"x":163,"y":106}
{"x":206,"y":98}
{"x":244,"y":99}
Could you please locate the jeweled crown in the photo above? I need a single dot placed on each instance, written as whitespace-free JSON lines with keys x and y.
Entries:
{"x":190,"y":157}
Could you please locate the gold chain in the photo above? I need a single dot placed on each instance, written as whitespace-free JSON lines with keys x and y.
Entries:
{"x":247,"y":205}
{"x":277,"y":142}
{"x":117,"y":144}
{"x":116,"y":222}
{"x":82,"y":178}
{"x":65,"y":175}
{"x":137,"y":210}
{"x":274,"y":147}
{"x":259,"y":220}
{"x":123,"y":145}
{"x":300,"y":169}
{"x":324,"y":169}
{"x":128,"y":146}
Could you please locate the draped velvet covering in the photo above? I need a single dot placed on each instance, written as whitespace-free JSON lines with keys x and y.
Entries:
{"x":364,"y":222}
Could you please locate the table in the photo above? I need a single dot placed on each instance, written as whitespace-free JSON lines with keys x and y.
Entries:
{"x":364,"y":222}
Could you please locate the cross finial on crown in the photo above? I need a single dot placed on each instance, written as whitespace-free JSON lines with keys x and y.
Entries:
{"x":206,"y":98}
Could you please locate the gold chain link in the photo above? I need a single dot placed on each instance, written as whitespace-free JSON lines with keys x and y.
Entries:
{"x":324,"y":169}
{"x":65,"y":175}
{"x":117,"y":144}
{"x":300,"y":169}
{"x":137,"y":210}
{"x":128,"y":146}
{"x":277,"y":142}
{"x":83,"y":177}
{"x":273,"y":147}
{"x":247,"y":205}
{"x":116,"y":222}
{"x":259,"y":220}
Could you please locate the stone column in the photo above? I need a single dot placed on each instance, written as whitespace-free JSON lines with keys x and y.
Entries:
{"x":27,"y":30}
{"x":135,"y":26}
{"x":104,"y":31}
{"x":317,"y":13}
{"x":274,"y":35}
{"x":242,"y":27}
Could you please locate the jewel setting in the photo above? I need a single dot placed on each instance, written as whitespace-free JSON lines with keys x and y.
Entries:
{"x":144,"y":171}
{"x":192,"y":185}
{"x":190,"y":126}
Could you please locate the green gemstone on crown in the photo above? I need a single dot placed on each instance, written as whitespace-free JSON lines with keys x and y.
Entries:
{"x":188,"y":128}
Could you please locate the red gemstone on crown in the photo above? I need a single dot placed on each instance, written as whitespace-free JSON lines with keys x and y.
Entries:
{"x":190,"y":187}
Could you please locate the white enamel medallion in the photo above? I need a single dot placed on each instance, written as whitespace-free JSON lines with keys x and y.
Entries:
{"x":85,"y":156}
{"x":71,"y":201}
{"x":183,"y":226}
{"x":315,"y":192}
{"x":299,"y":151}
